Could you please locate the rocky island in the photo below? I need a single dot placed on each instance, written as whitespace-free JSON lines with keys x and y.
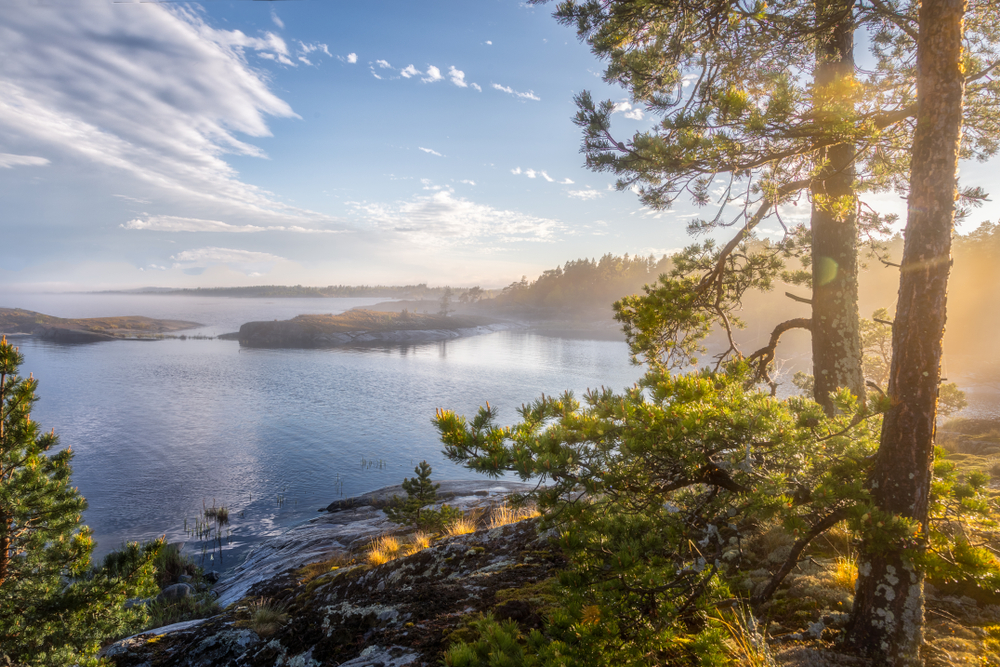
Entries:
{"x":362,"y":326}
{"x":87,"y":330}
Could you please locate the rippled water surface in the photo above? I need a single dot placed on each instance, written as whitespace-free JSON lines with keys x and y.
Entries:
{"x":159,"y":428}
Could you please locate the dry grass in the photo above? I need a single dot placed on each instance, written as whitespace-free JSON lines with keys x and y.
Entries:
{"x":266,"y":616}
{"x":383,"y":549}
{"x":462,"y":526}
{"x":845,"y":572}
{"x":503,"y":515}
{"x":746,"y":644}
{"x":309,"y":572}
{"x":418,"y":542}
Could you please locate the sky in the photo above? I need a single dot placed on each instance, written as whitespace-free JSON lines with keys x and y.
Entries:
{"x":300,"y":142}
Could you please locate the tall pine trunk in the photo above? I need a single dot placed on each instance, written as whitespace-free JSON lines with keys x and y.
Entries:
{"x":887,"y":620}
{"x":836,"y":341}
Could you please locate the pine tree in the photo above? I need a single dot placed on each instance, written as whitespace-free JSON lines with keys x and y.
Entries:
{"x":888,"y":613}
{"x":729,"y":83}
{"x":54,"y":608}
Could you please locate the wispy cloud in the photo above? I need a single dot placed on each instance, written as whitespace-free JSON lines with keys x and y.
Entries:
{"x":74,"y":84}
{"x":430,"y":150}
{"x":384,"y":64}
{"x":442,"y":219}
{"x":409,"y":71}
{"x":433,"y":74}
{"x":534,"y":173}
{"x":7,"y":161}
{"x":251,"y":262}
{"x":530,"y":95}
{"x":585,"y":195}
{"x":349,"y":58}
{"x":277,"y":21}
{"x":172,"y":223}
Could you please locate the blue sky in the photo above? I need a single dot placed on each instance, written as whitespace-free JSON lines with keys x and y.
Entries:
{"x":300,"y":142}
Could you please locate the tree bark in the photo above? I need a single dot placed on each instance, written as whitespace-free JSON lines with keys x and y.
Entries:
{"x":836,"y":341}
{"x":887,"y":619}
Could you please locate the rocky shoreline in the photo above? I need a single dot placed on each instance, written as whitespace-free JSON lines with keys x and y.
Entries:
{"x":398,"y":613}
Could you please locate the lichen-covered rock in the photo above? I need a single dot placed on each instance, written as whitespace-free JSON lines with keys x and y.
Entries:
{"x":399,"y":613}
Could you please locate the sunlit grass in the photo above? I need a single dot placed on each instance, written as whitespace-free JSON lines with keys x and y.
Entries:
{"x":503,"y":515}
{"x":383,"y":549}
{"x":418,"y":542}
{"x":745,"y":643}
{"x":462,"y":526}
{"x":845,"y":572}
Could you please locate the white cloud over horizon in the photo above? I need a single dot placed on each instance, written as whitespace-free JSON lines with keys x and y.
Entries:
{"x":442,"y":219}
{"x":430,"y":150}
{"x":433,"y":74}
{"x":165,"y":113}
{"x":8,"y":161}
{"x":171,"y":223}
{"x":248,"y":261}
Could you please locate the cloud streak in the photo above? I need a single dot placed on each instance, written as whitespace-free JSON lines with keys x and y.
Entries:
{"x":157,"y":94}
{"x":442,"y":219}
{"x":530,"y":95}
{"x":8,"y":161}
{"x":171,"y":223}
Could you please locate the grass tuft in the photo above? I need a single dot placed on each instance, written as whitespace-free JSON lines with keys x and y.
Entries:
{"x":382,"y":550}
{"x":746,"y":643}
{"x":503,"y":515}
{"x":845,"y":572}
{"x":266,"y":616}
{"x":461,"y":526}
{"x":418,"y":542}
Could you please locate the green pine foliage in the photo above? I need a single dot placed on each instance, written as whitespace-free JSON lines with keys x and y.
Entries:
{"x":421,"y":492}
{"x":656,"y":492}
{"x":55,"y":609}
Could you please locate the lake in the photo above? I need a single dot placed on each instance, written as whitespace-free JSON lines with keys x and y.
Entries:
{"x":162,"y":429}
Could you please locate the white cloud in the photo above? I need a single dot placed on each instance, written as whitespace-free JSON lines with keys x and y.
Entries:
{"x":530,"y":95}
{"x":409,"y":71}
{"x":488,"y":42}
{"x":443,"y":219}
{"x":277,"y":21}
{"x":352,"y":58}
{"x":630,"y":112}
{"x":467,"y":181}
{"x":383,"y":64}
{"x":457,"y":77}
{"x":476,"y":87}
{"x":585,"y":195}
{"x":157,"y":94}
{"x":430,"y":150}
{"x":7,"y":161}
{"x":534,"y":173}
{"x":248,"y":261}
{"x":433,"y":74}
{"x":566,"y":181}
{"x":172,"y":223}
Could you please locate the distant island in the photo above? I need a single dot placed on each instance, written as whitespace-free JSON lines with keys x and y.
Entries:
{"x":85,"y":330}
{"x":361,"y":326}
{"x":420,"y":291}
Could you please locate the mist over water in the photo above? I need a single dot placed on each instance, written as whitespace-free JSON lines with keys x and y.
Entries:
{"x":159,"y":428}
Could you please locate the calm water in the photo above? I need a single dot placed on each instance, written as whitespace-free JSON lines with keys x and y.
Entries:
{"x":161,"y":428}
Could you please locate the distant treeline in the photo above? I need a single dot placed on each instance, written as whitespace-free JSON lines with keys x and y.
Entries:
{"x":421,"y":291}
{"x":583,"y":286}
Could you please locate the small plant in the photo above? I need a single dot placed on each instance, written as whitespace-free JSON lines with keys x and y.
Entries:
{"x":418,"y":542}
{"x":266,"y":616}
{"x":746,"y":643}
{"x":166,"y":612}
{"x":421,"y":492}
{"x":503,"y":515}
{"x":309,"y":572}
{"x":382,"y":550}
{"x":460,"y":526}
{"x":845,"y":572}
